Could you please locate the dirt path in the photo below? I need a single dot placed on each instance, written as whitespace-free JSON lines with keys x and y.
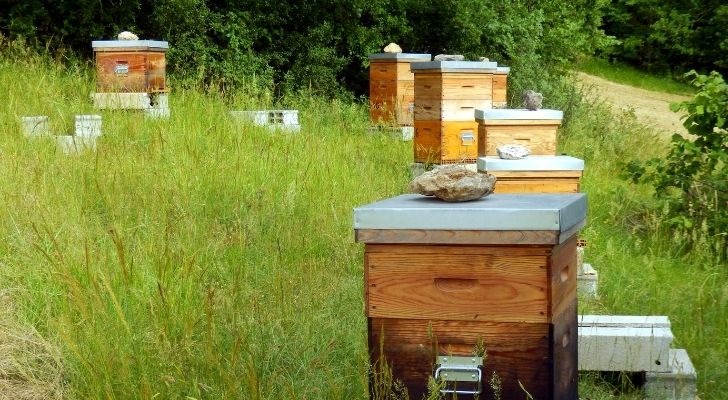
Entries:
{"x":651,"y":108}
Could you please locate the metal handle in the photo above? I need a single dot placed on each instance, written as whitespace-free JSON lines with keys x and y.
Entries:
{"x":467,"y":138}
{"x":460,"y":369}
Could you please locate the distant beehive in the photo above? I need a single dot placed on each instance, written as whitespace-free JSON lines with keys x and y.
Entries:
{"x":446,"y":96}
{"x":392,"y":88}
{"x":130,"y":66}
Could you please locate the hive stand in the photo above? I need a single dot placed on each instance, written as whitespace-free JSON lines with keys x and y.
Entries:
{"x":34,"y":126}
{"x":286,"y":120}
{"x":87,"y":131}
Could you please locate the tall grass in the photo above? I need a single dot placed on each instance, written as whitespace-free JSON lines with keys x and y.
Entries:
{"x":198,"y":257}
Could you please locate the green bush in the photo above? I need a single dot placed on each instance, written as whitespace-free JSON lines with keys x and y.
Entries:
{"x":693,"y":178}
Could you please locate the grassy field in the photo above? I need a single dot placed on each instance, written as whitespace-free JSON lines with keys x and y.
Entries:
{"x":200,"y":258}
{"x":625,"y":74}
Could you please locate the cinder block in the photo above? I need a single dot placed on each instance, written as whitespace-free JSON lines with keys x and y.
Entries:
{"x":124,"y":101}
{"x":274,"y":119}
{"x":587,"y":280}
{"x":624,"y":343}
{"x":88,"y":125}
{"x":678,"y":384}
{"x":157,"y":112}
{"x":35,"y":125}
{"x":403,"y":133}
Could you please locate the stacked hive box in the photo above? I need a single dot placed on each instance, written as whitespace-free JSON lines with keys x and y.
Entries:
{"x":391,"y":87}
{"x":446,"y":96}
{"x":130,"y":74}
{"x":535,"y":174}
{"x":444,"y":279}
{"x":500,"y":87}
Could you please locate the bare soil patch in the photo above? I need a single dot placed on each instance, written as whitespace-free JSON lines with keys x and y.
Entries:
{"x":651,"y":108}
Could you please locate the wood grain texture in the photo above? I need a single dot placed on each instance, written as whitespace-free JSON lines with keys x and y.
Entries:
{"x":516,"y":352}
{"x":390,"y":70}
{"x":540,"y":139}
{"x":449,"y":110}
{"x":453,"y":86}
{"x":564,"y":350}
{"x":500,"y":89}
{"x":490,"y":286}
{"x":537,"y":181}
{"x":146,"y":71}
{"x":562,"y":273}
{"x":426,"y":236}
{"x":441,"y":141}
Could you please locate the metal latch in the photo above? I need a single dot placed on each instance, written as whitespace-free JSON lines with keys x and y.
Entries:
{"x":467,"y":138}
{"x":460,"y":369}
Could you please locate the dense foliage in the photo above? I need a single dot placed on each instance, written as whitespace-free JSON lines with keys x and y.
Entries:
{"x":693,"y":178}
{"x":674,"y":35}
{"x":319,"y":44}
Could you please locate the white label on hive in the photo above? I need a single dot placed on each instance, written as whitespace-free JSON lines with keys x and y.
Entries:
{"x":121,"y":69}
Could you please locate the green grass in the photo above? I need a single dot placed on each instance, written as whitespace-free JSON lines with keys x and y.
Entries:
{"x":198,"y":257}
{"x":625,"y":74}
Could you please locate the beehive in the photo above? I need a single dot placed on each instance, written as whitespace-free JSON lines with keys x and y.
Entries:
{"x":443,"y":279}
{"x":500,"y":87}
{"x":447,"y":93}
{"x":534,"y":174}
{"x":533,"y":129}
{"x":391,"y":87}
{"x":130,"y":66}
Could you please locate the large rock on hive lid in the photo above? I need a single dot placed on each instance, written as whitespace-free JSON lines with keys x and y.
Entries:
{"x":453,"y":183}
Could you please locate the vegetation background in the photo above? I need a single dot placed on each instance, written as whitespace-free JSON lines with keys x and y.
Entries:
{"x":197,"y":258}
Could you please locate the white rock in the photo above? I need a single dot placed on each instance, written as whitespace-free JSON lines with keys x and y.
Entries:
{"x":483,"y":59}
{"x":126,"y":35}
{"x":393,"y":48}
{"x":449,"y":57}
{"x":513,"y":151}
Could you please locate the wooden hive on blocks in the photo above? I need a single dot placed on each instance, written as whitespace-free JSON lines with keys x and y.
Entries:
{"x":533,"y":129}
{"x":444,"y":279}
{"x":500,"y":87}
{"x":446,"y":96}
{"x":130,"y":66}
{"x":391,"y":87}
{"x":534,"y":174}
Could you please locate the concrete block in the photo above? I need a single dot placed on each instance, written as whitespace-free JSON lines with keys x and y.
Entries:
{"x":116,"y":101}
{"x":159,"y":100}
{"x":403,"y":133}
{"x":157,"y":112}
{"x":88,"y":125}
{"x":680,"y":383}
{"x":587,"y":280}
{"x":624,"y":343}
{"x":35,"y":125}
{"x":274,"y":119}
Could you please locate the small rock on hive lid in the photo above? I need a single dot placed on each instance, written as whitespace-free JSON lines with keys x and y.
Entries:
{"x":453,"y":183}
{"x":393,"y":48}
{"x":449,"y":57}
{"x":513,"y":151}
{"x":126,"y":35}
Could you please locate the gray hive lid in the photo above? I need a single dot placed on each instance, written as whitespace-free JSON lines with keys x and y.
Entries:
{"x":504,"y":113}
{"x":129,"y":44}
{"x":531,"y":163}
{"x":456,"y":66}
{"x":414,"y":57}
{"x":497,"y":212}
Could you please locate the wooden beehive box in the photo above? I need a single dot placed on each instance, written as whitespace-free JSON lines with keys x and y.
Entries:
{"x":391,"y":87}
{"x":130,"y":66}
{"x":500,"y":87}
{"x":444,"y":278}
{"x":534,"y":174}
{"x":533,"y":129}
{"x":447,"y":93}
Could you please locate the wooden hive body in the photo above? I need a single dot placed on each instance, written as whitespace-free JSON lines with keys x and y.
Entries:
{"x":437,"y":291}
{"x":447,"y":93}
{"x":391,"y":87}
{"x":534,"y":129}
{"x":535,"y":174}
{"x":500,"y":87}
{"x":130,"y":66}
